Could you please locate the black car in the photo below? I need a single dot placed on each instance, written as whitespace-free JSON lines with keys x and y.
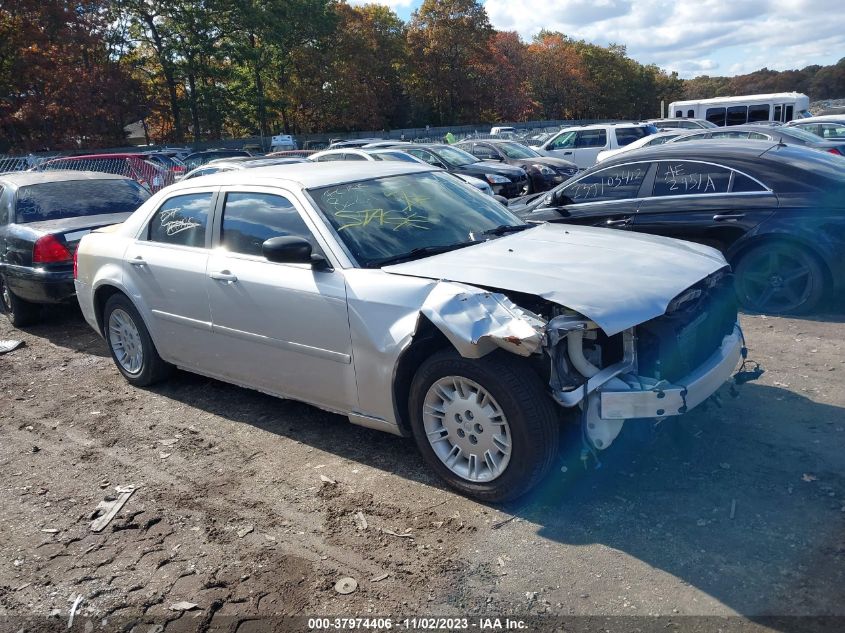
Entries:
{"x":775,"y":134}
{"x":777,"y":212}
{"x":198,"y":159}
{"x":543,"y":172}
{"x":43,"y":215}
{"x":506,"y":181}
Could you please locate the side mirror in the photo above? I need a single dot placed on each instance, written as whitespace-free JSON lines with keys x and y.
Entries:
{"x":292,"y":250}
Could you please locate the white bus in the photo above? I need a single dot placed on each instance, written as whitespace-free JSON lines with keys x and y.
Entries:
{"x":780,"y":106}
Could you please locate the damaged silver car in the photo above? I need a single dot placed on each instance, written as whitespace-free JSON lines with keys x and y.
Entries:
{"x":404,"y":299}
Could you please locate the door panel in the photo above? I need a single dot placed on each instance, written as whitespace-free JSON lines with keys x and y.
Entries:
{"x":282,"y":328}
{"x":166,"y":270}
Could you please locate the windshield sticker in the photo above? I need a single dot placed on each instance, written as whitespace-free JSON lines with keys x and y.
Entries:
{"x":353,"y":209}
{"x":173,"y":225}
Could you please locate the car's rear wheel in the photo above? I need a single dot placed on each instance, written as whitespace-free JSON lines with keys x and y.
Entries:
{"x":18,"y":311}
{"x":485,"y":426}
{"x":130,"y":344}
{"x":779,"y":278}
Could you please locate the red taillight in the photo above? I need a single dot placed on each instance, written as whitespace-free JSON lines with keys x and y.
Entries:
{"x":49,"y":250}
{"x":833,"y":150}
{"x":179,"y":168}
{"x":76,"y":263}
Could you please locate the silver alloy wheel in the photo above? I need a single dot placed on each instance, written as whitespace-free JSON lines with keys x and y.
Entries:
{"x":125,"y":341}
{"x":467,"y":429}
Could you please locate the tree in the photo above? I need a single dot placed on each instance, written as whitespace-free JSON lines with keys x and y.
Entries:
{"x":449,"y":43}
{"x":558,"y":79}
{"x":60,"y":88}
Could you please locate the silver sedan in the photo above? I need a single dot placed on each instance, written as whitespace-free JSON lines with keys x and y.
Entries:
{"x":404,"y":299}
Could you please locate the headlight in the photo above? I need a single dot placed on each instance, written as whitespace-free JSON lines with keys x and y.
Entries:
{"x":543,"y":169}
{"x":496,"y":179}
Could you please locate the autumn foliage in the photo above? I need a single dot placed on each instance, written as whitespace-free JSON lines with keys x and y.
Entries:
{"x":74,"y":73}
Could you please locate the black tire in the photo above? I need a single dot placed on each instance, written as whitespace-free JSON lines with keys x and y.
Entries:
{"x":152,"y":368}
{"x":533,"y":419}
{"x":18,"y":311}
{"x":779,"y":278}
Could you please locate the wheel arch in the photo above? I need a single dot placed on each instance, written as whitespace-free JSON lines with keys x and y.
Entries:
{"x":427,"y":340}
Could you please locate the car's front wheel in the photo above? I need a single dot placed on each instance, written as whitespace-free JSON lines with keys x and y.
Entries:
{"x":130,"y":344}
{"x":486,"y":426}
{"x":18,"y":311}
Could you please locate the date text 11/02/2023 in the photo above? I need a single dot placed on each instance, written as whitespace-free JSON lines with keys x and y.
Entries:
{"x":418,"y":624}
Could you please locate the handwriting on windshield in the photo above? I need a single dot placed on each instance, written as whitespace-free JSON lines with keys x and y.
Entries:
{"x":354,"y":208}
{"x":679,"y":180}
{"x":173,"y":224}
{"x":607,"y":183}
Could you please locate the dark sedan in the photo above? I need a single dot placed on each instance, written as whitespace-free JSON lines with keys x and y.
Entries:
{"x":777,"y":212}
{"x":42,"y":218}
{"x":776,"y":134}
{"x":506,"y":181}
{"x":543,"y":172}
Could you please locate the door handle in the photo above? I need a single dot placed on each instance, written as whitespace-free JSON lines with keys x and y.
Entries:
{"x":138,"y":261}
{"x":728,"y":216}
{"x":567,"y":153}
{"x":618,"y":222}
{"x":224,"y":275}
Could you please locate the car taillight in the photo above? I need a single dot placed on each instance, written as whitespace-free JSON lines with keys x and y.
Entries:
{"x":179,"y":168}
{"x":76,"y":263}
{"x":49,"y":250}
{"x":833,"y":150}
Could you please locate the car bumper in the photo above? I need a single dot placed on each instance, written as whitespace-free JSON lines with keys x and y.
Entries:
{"x":656,"y":400}
{"x":37,"y":285}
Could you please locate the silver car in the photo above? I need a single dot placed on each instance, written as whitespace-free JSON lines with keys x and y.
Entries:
{"x":395,"y":295}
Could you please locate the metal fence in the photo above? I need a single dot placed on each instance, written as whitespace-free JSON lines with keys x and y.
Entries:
{"x":147,"y":173}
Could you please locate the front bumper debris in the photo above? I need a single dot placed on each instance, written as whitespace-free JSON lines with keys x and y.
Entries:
{"x":648,"y":398}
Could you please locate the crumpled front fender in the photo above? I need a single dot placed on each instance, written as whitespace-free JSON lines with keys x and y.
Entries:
{"x":477,"y":321}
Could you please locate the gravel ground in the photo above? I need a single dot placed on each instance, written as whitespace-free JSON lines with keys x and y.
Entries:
{"x":247,"y":506}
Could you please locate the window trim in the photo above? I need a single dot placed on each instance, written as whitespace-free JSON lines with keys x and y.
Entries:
{"x":143,"y":233}
{"x":302,"y":203}
{"x":652,"y":162}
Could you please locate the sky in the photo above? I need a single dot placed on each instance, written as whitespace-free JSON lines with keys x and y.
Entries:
{"x":692,"y":37}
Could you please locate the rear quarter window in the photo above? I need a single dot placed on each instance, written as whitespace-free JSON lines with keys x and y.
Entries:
{"x":627,"y":135}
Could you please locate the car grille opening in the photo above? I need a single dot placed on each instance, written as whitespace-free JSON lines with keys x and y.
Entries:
{"x":671,"y":346}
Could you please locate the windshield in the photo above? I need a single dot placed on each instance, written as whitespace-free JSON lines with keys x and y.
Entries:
{"x":800,"y":134}
{"x":517,"y":150}
{"x":454,"y":157}
{"x":389,"y":217}
{"x":76,"y":198}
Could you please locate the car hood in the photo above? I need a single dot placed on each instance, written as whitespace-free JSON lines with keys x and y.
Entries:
{"x":618,"y":280}
{"x":557,"y":163}
{"x":483,"y":167}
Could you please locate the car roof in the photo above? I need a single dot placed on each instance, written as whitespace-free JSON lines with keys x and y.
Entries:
{"x":600,"y":126}
{"x":696,"y":150}
{"x":742,"y":98}
{"x":24,"y":178}
{"x":822,"y":118}
{"x":307,"y":175}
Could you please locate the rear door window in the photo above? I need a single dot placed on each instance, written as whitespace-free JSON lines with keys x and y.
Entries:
{"x":627,"y":135}
{"x":614,"y":183}
{"x":77,"y":198}
{"x":591,"y":138}
{"x":182,"y":220}
{"x":684,"y":178}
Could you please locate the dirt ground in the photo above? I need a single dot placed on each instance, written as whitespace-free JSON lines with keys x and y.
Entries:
{"x":247,"y":506}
